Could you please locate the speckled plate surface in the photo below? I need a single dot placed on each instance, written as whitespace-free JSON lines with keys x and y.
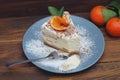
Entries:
{"x":94,"y":33}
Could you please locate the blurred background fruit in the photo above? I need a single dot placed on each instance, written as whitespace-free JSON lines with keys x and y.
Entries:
{"x":113,"y":27}
{"x":101,"y":14}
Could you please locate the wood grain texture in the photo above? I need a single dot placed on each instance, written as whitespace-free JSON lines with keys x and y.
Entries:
{"x":11,"y":34}
{"x":14,"y":8}
{"x":18,"y":15}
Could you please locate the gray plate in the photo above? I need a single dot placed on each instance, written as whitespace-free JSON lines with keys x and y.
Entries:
{"x":94,"y":33}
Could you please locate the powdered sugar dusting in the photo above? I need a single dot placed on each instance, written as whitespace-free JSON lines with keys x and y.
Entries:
{"x":37,"y":48}
{"x":86,"y":44}
{"x":53,"y":63}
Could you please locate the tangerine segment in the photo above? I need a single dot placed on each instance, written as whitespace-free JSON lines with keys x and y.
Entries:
{"x":58,"y":23}
{"x":63,"y":21}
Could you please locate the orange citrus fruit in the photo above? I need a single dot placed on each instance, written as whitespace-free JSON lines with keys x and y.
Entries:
{"x":58,"y":23}
{"x":63,"y":21}
{"x":96,"y":15}
{"x":113,"y":27}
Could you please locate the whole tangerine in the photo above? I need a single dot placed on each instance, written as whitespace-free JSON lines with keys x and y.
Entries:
{"x":101,"y":14}
{"x":113,"y":27}
{"x":96,"y":15}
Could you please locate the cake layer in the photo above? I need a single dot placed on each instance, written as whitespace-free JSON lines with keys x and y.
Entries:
{"x":67,"y":40}
{"x":68,"y":43}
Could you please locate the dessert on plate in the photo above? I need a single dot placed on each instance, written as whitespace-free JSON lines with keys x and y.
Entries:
{"x":71,"y":63}
{"x":60,"y":32}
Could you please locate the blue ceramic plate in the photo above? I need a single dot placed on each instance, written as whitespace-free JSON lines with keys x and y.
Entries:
{"x":94,"y":33}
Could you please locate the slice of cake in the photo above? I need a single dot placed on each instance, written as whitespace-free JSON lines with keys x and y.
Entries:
{"x":61,"y":36}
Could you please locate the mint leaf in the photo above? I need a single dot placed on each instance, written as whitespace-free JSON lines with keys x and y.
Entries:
{"x":53,"y":11}
{"x":61,"y":11}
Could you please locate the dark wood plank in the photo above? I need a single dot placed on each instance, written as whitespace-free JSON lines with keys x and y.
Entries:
{"x":15,"y":27}
{"x":22,"y":73}
{"x":100,"y":71}
{"x":12,"y":8}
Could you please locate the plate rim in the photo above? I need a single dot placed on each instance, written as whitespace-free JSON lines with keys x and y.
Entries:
{"x":94,"y":62}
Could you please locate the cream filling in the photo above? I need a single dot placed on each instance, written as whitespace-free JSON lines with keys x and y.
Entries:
{"x":68,"y":40}
{"x":47,"y":29}
{"x":71,"y":63}
{"x":59,"y":40}
{"x":70,"y":45}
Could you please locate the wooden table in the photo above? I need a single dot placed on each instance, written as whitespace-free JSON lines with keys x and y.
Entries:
{"x":12,"y":30}
{"x":11,"y":34}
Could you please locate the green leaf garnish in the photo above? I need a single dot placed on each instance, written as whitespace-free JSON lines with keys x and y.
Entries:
{"x":61,"y":11}
{"x":55,"y":12}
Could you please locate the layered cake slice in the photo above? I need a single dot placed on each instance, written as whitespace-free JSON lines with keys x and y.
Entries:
{"x":59,"y":32}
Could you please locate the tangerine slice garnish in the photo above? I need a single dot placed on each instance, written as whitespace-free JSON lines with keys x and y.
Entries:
{"x":58,"y":23}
